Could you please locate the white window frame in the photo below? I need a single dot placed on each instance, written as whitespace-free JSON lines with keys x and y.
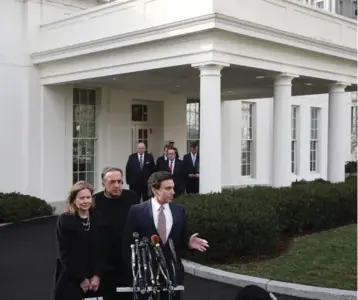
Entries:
{"x":81,"y":156}
{"x":193,"y":122}
{"x":247,"y":138}
{"x":294,"y":138}
{"x":314,"y":139}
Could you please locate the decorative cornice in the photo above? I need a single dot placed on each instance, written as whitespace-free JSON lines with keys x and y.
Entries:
{"x":195,"y":25}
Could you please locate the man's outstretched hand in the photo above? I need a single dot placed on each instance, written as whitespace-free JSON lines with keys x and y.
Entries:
{"x":197,"y":243}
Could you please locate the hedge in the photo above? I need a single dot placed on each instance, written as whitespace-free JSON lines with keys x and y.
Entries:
{"x":251,"y":221}
{"x":15,"y":207}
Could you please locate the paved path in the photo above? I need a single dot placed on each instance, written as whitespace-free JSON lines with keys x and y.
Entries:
{"x":27,"y":256}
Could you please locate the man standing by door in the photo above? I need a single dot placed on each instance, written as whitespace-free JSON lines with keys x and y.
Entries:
{"x":139,"y":167}
{"x":191,"y":167}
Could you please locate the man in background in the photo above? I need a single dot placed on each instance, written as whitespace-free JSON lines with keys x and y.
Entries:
{"x":140,"y":166}
{"x":174,"y":166}
{"x":191,"y":169}
{"x":171,"y":146}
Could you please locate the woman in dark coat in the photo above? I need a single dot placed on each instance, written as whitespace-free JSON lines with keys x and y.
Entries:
{"x":80,"y":246}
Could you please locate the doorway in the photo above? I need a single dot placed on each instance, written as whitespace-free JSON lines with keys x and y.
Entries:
{"x":140,"y":134}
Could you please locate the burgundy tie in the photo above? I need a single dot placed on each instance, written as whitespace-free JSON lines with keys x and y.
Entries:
{"x":162,"y":225}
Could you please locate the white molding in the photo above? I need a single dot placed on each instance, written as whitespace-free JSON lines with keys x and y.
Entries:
{"x":266,"y":64}
{"x":195,"y":25}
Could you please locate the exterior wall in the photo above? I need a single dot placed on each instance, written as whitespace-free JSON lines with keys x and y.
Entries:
{"x":23,"y":99}
{"x":263,"y":119}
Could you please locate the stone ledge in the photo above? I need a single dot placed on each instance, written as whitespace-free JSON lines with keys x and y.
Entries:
{"x":276,"y":287}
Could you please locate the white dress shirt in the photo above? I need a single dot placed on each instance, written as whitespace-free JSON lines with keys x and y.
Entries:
{"x":167,"y":213}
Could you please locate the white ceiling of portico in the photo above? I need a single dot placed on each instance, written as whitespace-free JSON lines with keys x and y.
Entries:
{"x":237,"y":82}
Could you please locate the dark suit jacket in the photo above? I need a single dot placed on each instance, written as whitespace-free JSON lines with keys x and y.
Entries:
{"x":140,"y":219}
{"x":159,"y":161}
{"x":135,"y":176}
{"x":188,"y":166}
{"x":178,"y":174}
{"x":81,"y":254}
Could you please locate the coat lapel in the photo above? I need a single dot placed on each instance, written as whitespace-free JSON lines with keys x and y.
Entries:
{"x":175,"y":219}
{"x":149,"y":212}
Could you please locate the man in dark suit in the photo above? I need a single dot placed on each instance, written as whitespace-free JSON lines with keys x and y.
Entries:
{"x":159,"y":216}
{"x":171,"y":146}
{"x":139,"y":167}
{"x":191,"y":169}
{"x":175,"y":167}
{"x":162,"y":158}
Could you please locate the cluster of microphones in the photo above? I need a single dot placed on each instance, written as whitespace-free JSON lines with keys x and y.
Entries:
{"x":150,"y":270}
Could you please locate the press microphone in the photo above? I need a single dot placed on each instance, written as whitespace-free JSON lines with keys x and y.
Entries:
{"x":174,"y":260}
{"x":138,"y":254}
{"x":144,"y":260}
{"x":145,"y":240}
{"x":162,"y":262}
{"x":158,"y":250}
{"x":133,"y":262}
{"x":172,"y":249}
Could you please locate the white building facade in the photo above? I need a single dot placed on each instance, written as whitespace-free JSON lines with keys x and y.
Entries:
{"x":82,"y":83}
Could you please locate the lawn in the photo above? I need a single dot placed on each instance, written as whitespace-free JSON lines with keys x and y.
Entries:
{"x":326,"y":259}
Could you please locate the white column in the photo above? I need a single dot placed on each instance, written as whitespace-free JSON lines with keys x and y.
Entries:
{"x":338,"y":111}
{"x":281,"y":158}
{"x":210,"y":126}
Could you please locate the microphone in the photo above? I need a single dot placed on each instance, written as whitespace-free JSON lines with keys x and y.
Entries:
{"x":162,"y":262}
{"x":158,"y":250}
{"x":137,"y":252}
{"x":145,"y":240}
{"x":144,"y":260}
{"x":133,"y":262}
{"x":174,"y":260}
{"x":172,"y":249}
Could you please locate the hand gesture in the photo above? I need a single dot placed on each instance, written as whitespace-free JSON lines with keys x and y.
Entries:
{"x":85,"y":284}
{"x":197,"y":243}
{"x":94,"y":283}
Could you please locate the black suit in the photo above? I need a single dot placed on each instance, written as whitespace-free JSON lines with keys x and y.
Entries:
{"x":191,"y":184}
{"x":136,"y":177}
{"x":178,"y":175}
{"x":159,"y":162}
{"x":81,"y":254}
{"x":140,"y":219}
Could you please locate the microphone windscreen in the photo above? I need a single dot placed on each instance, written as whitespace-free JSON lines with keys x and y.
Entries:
{"x":155,"y":239}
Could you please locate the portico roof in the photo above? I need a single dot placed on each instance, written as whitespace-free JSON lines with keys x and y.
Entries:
{"x":131,"y":36}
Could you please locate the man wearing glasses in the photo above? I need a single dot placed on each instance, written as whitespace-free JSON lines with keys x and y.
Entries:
{"x":114,"y":202}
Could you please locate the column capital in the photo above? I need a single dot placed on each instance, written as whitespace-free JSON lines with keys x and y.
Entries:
{"x":338,"y":87}
{"x":284,"y":78}
{"x":210,"y":68}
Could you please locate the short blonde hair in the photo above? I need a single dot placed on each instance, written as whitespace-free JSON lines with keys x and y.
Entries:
{"x":72,"y":195}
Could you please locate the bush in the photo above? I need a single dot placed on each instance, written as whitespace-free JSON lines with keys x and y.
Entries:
{"x":249,"y":221}
{"x":232,"y":225}
{"x":15,"y":207}
{"x":351,"y":167}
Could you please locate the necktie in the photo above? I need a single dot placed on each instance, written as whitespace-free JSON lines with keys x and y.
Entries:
{"x":171,"y":167}
{"x":162,"y":225}
{"x":193,"y":158}
{"x":141,"y":161}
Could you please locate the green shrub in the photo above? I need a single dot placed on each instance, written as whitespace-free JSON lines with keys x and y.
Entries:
{"x":249,"y":221}
{"x":15,"y":207}
{"x":233,"y":226}
{"x":351,"y":167}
